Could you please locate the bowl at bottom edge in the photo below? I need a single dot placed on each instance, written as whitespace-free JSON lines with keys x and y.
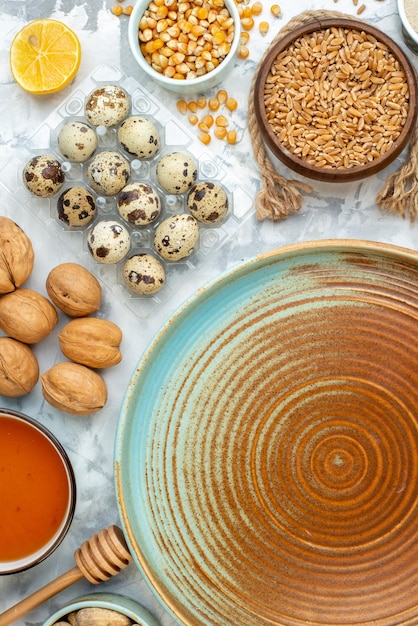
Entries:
{"x":137,"y":613}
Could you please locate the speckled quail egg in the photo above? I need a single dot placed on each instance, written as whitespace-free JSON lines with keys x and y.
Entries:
{"x":143,"y":274}
{"x":139,"y":204}
{"x":43,"y":175}
{"x":139,"y":137}
{"x":108,"y":241}
{"x":207,"y":202}
{"x":76,"y":207}
{"x":176,"y":237}
{"x":77,"y":141}
{"x":107,"y":106}
{"x":108,"y":172}
{"x":176,"y":172}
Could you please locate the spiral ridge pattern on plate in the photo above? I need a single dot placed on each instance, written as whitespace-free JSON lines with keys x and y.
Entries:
{"x":280,"y":460}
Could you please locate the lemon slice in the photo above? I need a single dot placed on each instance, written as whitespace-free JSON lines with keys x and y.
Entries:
{"x":45,"y":56}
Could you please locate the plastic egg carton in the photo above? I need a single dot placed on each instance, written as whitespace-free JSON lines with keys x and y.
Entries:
{"x":174,"y":137}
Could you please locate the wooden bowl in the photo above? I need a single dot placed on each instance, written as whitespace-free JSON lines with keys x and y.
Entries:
{"x":339,"y":109}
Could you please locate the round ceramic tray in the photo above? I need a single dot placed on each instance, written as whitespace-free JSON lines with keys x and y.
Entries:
{"x":267,"y":452}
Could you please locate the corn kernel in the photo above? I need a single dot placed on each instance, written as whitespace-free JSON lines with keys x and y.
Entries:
{"x":231,"y":104}
{"x":244,"y":37}
{"x":256,"y":8}
{"x":247,"y":23}
{"x":182,"y":106}
{"x":162,"y":11}
{"x":176,"y":58}
{"x":276,"y":10}
{"x":154,"y":44}
{"x":213,"y":104}
{"x":162,"y":61}
{"x":192,"y":106}
{"x":219,"y":37}
{"x":221,"y":121}
{"x":231,"y":136}
{"x":193,"y":119}
{"x":205,"y":138}
{"x":263,"y":27}
{"x":202,"y":126}
{"x":247,"y":12}
{"x":169,"y":71}
{"x":128,"y":9}
{"x":161,"y":25}
{"x":116,"y":9}
{"x":208,"y":120}
{"x":243,"y":52}
{"x":222,"y":96}
{"x":197,"y":30}
{"x":210,"y":65}
{"x":226,"y":22}
{"x":202,"y":13}
{"x":201,"y":102}
{"x":220,"y":132}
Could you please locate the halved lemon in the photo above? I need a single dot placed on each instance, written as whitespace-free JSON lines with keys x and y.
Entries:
{"x":45,"y":56}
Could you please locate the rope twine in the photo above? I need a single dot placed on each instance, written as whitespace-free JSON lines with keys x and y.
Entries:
{"x":279,"y":197}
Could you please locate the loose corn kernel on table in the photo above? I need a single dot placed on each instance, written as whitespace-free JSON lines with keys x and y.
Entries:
{"x":330,"y":211}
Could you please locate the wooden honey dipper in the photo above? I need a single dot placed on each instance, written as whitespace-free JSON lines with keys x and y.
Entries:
{"x":99,"y":558}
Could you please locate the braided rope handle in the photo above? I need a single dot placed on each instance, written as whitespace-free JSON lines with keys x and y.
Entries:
{"x":279,"y":196}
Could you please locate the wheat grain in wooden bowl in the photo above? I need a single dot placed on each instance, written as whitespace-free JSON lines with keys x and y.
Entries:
{"x":336,"y":100}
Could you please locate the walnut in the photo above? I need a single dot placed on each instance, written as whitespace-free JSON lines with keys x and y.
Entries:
{"x":74,"y":388}
{"x":97,"y":616}
{"x":74,"y":290}
{"x":16,"y":256}
{"x":26,"y":315}
{"x":91,"y":341}
{"x":19,"y":369}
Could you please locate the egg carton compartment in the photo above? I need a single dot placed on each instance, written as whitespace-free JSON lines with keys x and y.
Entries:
{"x":174,"y":137}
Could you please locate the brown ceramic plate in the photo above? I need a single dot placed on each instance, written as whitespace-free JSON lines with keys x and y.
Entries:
{"x":267,"y":450}
{"x":365,"y":127}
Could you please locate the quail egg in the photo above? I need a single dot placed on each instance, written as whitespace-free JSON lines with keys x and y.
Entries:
{"x":108,"y":241}
{"x":108,"y":172}
{"x":139,"y":137}
{"x":107,"y":106}
{"x":143,"y":274}
{"x":76,"y":207}
{"x":139,"y":204}
{"x":77,"y":141}
{"x":176,"y":237}
{"x":43,"y":175}
{"x":207,"y":202}
{"x":176,"y":172}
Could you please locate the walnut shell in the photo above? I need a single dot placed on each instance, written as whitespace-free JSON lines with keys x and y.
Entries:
{"x":74,"y":290}
{"x":98,"y":616}
{"x":19,"y":369}
{"x":26,"y":315}
{"x":74,"y":388}
{"x":91,"y":341}
{"x":16,"y":256}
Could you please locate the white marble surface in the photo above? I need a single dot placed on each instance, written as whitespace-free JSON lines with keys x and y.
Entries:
{"x":331,"y":211}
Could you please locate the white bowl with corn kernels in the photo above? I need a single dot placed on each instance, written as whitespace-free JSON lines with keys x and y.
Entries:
{"x":186,"y":47}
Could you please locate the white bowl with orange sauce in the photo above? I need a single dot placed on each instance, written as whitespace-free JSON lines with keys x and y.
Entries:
{"x":37,"y":492}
